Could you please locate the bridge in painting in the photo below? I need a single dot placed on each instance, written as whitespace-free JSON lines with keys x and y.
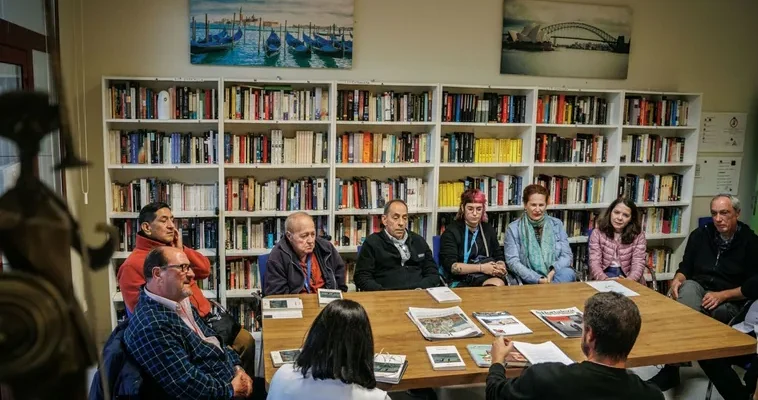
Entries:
{"x":536,"y":38}
{"x":617,"y":44}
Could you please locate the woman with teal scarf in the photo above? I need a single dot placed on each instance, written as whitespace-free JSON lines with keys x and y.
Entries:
{"x":536,"y":245}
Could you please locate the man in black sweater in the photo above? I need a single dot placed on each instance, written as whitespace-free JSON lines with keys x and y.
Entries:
{"x":717,"y":273}
{"x":395,"y":258}
{"x":611,"y":325}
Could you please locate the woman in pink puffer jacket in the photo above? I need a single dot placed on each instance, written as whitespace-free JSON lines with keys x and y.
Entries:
{"x":617,"y":245}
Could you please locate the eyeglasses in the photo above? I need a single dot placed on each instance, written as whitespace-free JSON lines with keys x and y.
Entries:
{"x":183,"y":268}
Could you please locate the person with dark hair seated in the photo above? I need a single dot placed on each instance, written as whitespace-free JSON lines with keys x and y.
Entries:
{"x":469,"y":251}
{"x":336,"y":361}
{"x":395,"y":258}
{"x":618,"y":248}
{"x":172,"y":344}
{"x":611,"y":325}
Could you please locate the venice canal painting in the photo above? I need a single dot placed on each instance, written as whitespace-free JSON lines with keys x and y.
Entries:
{"x":561,"y":39}
{"x":272,"y":33}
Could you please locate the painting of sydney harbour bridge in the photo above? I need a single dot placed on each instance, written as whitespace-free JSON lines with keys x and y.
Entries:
{"x":560,"y":39}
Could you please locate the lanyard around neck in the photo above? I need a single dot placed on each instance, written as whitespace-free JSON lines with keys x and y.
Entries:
{"x":466,"y":247}
{"x":308,"y":274}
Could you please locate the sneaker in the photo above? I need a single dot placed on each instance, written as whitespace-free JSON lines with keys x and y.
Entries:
{"x":667,"y":378}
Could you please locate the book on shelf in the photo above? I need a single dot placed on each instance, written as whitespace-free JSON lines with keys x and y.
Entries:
{"x":349,"y":271}
{"x":463,"y":147}
{"x":366,"y":147}
{"x":659,"y":259}
{"x":254,"y":103}
{"x":649,"y":148}
{"x":363,"y":105}
{"x":281,"y":357}
{"x":366,"y":193}
{"x":282,"y":308}
{"x":576,"y":222}
{"x":248,"y":194}
{"x":307,"y":147}
{"x":242,"y":274}
{"x":153,"y":147}
{"x":445,"y":358}
{"x":642,"y":111}
{"x":579,"y":262}
{"x":443,"y":323}
{"x":130,"y":100}
{"x":501,"y":323}
{"x":243,"y":311}
{"x":132,"y":196}
{"x":443,"y":294}
{"x":501,"y":190}
{"x":542,"y":353}
{"x":566,"y":321}
{"x":569,"y":190}
{"x":661,"y":220}
{"x":584,"y":148}
{"x":490,"y":107}
{"x":389,"y":368}
{"x":326,"y":296}
{"x":482,"y":356}
{"x":651,"y":187}
{"x":565,"y":109}
{"x":249,"y":234}
{"x":352,"y":230}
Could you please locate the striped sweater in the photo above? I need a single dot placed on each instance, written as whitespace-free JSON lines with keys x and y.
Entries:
{"x":631,"y":256}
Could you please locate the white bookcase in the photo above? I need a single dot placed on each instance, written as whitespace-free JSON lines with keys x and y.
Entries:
{"x":614,"y":131}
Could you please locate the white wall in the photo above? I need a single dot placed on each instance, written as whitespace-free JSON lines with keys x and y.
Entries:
{"x":27,"y":13}
{"x":694,"y":46}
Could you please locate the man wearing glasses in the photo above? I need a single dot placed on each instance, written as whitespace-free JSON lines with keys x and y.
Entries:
{"x":172,"y":344}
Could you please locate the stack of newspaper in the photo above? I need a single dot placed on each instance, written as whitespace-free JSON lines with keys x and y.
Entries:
{"x":443,"y":323}
{"x":566,"y":321}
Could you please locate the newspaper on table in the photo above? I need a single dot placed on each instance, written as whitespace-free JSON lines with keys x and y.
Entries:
{"x":501,"y":323}
{"x":566,"y":321}
{"x":443,"y":323}
{"x":542,"y":353}
{"x":612,"y":286}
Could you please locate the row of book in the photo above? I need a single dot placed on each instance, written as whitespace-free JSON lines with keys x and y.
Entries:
{"x":253,"y":103}
{"x":641,"y":111}
{"x":152,"y":147}
{"x":647,"y":148}
{"x":352,"y":230}
{"x":243,"y":311}
{"x":362,"y":105}
{"x":659,"y":259}
{"x":196,"y":233}
{"x":463,"y":147}
{"x":661,"y":220}
{"x":490,"y":107}
{"x":283,"y":194}
{"x":584,"y":148}
{"x":250,"y":234}
{"x":366,"y":193}
{"x":568,"y":110}
{"x":129,"y":100}
{"x":651,"y":187}
{"x":501,"y":190}
{"x":306,"y":147}
{"x":568,"y":190}
{"x":367,"y":147}
{"x":242,"y":273}
{"x":132,"y":196}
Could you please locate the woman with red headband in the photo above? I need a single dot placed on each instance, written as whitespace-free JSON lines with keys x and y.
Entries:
{"x":469,"y":251}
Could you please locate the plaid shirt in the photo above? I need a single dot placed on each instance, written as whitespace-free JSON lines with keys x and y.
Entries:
{"x":179,"y":360}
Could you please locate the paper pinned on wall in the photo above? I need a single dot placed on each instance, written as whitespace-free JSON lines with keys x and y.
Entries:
{"x":723,"y":132}
{"x":716,"y":175}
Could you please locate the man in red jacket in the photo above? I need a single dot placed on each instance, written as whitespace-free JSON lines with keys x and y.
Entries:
{"x":157,"y":229}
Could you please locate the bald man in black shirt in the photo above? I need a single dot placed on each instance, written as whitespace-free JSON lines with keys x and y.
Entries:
{"x":611,"y":325}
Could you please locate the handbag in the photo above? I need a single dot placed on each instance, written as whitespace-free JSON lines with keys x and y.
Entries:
{"x":223,"y":323}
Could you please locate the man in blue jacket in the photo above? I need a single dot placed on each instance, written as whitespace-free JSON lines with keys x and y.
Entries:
{"x":172,"y":344}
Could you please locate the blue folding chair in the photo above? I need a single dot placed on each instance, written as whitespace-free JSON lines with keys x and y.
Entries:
{"x":262,"y":260}
{"x":703,"y":221}
{"x":436,"y":256}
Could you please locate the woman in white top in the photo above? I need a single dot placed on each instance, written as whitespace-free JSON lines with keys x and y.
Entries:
{"x":336,"y":361}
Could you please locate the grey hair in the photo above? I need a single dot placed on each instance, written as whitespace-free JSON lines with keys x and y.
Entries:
{"x":732,"y":199}
{"x":391,"y":202}
{"x":290,"y":221}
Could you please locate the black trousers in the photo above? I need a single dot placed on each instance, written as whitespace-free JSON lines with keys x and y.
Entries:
{"x":725,"y":379}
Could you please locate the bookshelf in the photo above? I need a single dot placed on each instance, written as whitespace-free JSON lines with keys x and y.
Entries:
{"x":407,"y":138}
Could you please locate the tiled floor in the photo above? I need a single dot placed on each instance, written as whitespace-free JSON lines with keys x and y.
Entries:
{"x":693,"y":387}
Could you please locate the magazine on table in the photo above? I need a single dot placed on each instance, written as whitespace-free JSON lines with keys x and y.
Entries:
{"x":281,"y":357}
{"x":443,"y":294}
{"x":326,"y":296}
{"x":389,"y":368}
{"x":566,"y":321}
{"x":443,"y":323}
{"x":282,"y":308}
{"x":612,"y":286}
{"x":482,"y":356}
{"x":542,"y":353}
{"x":445,"y":358}
{"x":501,"y":323}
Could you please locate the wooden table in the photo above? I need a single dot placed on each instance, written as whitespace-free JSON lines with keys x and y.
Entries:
{"x":670,"y":333}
